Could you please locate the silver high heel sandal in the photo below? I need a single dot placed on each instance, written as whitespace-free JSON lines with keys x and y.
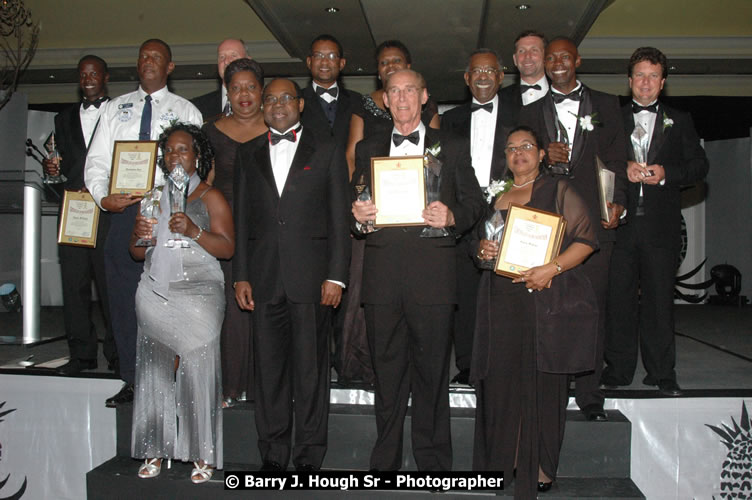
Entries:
{"x":201,"y":473}
{"x":152,"y":467}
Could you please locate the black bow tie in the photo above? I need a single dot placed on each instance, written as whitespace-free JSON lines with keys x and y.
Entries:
{"x":96,"y":104}
{"x":572,"y":96}
{"x":636,"y":108}
{"x":487,"y":107}
{"x":332,"y":91}
{"x":291,"y":136}
{"x":399,"y":138}
{"x":524,"y":88}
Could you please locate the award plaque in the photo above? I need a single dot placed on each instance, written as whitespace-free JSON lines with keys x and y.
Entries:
{"x":79,"y":220}
{"x":606,"y":180}
{"x":399,"y":190}
{"x":133,"y":165}
{"x":531,"y":238}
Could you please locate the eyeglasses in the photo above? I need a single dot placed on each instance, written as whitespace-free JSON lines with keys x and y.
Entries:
{"x":410,"y":91}
{"x":332,"y":56}
{"x":510,"y":150}
{"x":485,"y":71}
{"x":271,"y":100}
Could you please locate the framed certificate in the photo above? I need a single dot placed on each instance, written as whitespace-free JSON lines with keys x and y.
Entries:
{"x":79,"y":220}
{"x":133,"y":164}
{"x":399,"y":190}
{"x":606,"y":180}
{"x":531,"y":238}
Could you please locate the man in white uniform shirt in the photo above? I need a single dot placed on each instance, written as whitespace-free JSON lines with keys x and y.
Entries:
{"x":139,"y":115}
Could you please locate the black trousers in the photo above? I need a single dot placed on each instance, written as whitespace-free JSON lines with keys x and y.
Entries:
{"x":587,"y":385}
{"x":290,"y":344}
{"x":468,"y":278}
{"x":79,"y":266}
{"x":641,"y":306}
{"x":123,"y":274}
{"x":410,"y":348}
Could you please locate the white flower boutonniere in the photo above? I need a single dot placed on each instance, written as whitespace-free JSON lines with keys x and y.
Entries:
{"x":496,"y":188}
{"x":588,"y":122}
{"x":667,"y":122}
{"x":435,"y":149}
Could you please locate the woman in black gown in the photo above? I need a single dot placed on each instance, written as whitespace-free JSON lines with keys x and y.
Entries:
{"x":244,"y":80}
{"x":532,"y":332}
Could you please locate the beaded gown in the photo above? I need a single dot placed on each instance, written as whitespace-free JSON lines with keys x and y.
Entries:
{"x":178,"y":414}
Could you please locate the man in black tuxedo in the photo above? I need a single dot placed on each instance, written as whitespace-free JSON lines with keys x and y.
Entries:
{"x":292,"y":256}
{"x":576,"y":123}
{"x":215,"y":103}
{"x":329,"y":105}
{"x":646,"y":255}
{"x":529,"y":47}
{"x":410,"y":284}
{"x":74,"y":127}
{"x":485,"y":122}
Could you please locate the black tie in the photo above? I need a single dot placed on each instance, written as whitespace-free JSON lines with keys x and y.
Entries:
{"x":96,"y":104}
{"x":399,"y":138}
{"x":524,"y":88}
{"x":332,"y":91}
{"x":487,"y":107}
{"x":572,"y":96}
{"x":291,"y":136}
{"x":636,"y":108}
{"x":144,"y":133}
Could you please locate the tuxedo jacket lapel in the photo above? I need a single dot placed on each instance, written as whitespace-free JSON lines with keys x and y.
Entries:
{"x":658,"y":136}
{"x":550,"y":117}
{"x":303,"y":153}
{"x":263,"y":160}
{"x":75,"y":126}
{"x":580,"y":135}
{"x":629,"y":126}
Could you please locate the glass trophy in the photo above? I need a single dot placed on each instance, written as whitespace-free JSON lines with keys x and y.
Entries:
{"x":51,"y":147}
{"x":432,"y":173}
{"x":494,"y":229}
{"x":177,"y":188}
{"x":150,"y":209}
{"x":364,"y":194}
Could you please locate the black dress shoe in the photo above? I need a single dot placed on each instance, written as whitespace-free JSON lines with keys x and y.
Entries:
{"x":124,"y":396}
{"x":271,"y":466}
{"x":544,"y":487}
{"x":669,"y":387}
{"x":595,"y":413}
{"x":648,"y":380}
{"x":74,"y":367}
{"x":463,"y":377}
{"x":306,"y":468}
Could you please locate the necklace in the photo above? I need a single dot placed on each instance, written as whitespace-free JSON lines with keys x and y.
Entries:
{"x":524,"y":183}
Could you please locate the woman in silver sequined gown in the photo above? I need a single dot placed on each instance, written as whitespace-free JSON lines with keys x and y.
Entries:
{"x":180,"y":306}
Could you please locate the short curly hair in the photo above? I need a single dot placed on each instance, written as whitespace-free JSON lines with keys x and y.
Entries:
{"x":201,"y":146}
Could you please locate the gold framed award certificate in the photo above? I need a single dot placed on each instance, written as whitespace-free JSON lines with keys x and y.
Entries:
{"x":133,"y":164}
{"x":399,"y":190}
{"x":531,"y":238}
{"x":79,"y":220}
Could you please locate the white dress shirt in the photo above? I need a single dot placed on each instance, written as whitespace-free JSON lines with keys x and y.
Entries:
{"x":532,"y":95}
{"x":567,"y":113}
{"x":407,"y":148}
{"x":121,"y":121}
{"x":482,"y":133}
{"x":281,"y":155}
{"x":89,"y":119}
{"x":327,"y":97}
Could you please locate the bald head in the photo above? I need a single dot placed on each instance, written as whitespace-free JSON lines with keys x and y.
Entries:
{"x":228,"y":51}
{"x":561,"y":62}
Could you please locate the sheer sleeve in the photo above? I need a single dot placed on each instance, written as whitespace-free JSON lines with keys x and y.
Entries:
{"x":571,"y":205}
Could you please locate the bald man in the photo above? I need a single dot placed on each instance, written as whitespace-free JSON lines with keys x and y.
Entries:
{"x":213,"y":104}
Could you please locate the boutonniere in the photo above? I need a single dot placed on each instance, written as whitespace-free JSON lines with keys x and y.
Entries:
{"x":434,"y":150}
{"x":667,"y":122}
{"x":496,"y":188}
{"x":588,"y":122}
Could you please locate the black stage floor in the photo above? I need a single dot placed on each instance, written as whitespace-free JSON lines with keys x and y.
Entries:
{"x":714,"y":351}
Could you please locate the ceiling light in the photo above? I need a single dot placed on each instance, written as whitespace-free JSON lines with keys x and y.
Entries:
{"x":332,"y":10}
{"x":522,"y":6}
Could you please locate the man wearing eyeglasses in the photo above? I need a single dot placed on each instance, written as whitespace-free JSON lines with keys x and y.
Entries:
{"x":409,"y":283}
{"x":329,"y":105}
{"x":291,"y":264}
{"x":485,"y":121}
